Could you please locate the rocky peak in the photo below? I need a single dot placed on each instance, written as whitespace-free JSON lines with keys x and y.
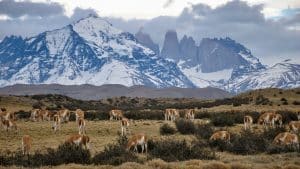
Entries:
{"x":171,"y":48}
{"x":188,"y":49}
{"x":145,"y":39}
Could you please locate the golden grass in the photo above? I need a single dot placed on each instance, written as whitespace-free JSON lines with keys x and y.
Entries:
{"x":100,"y":132}
{"x":14,"y":103}
{"x":105,"y":132}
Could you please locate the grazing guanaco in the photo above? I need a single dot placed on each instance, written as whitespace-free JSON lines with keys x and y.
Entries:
{"x":294,"y":126}
{"x":79,"y":140}
{"x":9,"y":124}
{"x":286,"y":138}
{"x":189,"y":114}
{"x":248,"y":121}
{"x":56,"y":123}
{"x":171,"y":114}
{"x":270,"y":119}
{"x":26,"y":144}
{"x":138,"y":139}
{"x":124,"y":126}
{"x":64,"y":114}
{"x":117,"y":114}
{"x":221,"y":135}
{"x":79,"y":114}
{"x":81,"y":126}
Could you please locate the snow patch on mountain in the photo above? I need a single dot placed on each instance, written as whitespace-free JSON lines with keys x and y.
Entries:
{"x":281,"y":75}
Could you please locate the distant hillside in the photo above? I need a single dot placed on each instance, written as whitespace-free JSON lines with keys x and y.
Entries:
{"x":90,"y":92}
{"x":275,"y":96}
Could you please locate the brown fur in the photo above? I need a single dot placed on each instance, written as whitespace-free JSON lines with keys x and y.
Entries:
{"x":220,"y":135}
{"x":171,"y":114}
{"x":117,"y":114}
{"x":64,"y":114}
{"x":79,"y":114}
{"x":189,"y":114}
{"x":9,"y":124}
{"x":294,"y":126}
{"x":79,"y":140}
{"x":26,"y":144}
{"x":124,"y":126}
{"x":81,"y":126}
{"x":138,"y":139}
{"x":248,"y":120}
{"x":286,"y":138}
{"x":7,"y":115}
{"x":270,"y":119}
{"x":56,"y":123}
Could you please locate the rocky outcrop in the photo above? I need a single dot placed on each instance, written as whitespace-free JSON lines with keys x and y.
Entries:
{"x":145,"y":39}
{"x":171,"y":48}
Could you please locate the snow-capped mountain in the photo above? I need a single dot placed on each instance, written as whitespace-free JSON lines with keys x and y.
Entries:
{"x":92,"y":51}
{"x":281,"y":75}
{"x":89,"y":51}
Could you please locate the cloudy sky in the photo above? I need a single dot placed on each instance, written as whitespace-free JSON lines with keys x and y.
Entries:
{"x":269,"y":28}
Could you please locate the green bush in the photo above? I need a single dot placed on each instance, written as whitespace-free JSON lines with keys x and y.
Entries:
{"x":185,"y":126}
{"x":220,"y":145}
{"x":166,"y":129}
{"x":23,"y":114}
{"x":115,"y":154}
{"x":288,"y":116}
{"x":99,"y":115}
{"x":149,"y":115}
{"x":64,"y":154}
{"x":296,"y":102}
{"x":271,"y":133}
{"x":222,"y":119}
{"x":248,"y":143}
{"x":202,"y":115}
{"x":204,"y":131}
{"x":175,"y":150}
{"x":276,"y":149}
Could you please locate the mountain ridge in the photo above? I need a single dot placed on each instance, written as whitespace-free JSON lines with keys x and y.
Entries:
{"x":91,"y":92}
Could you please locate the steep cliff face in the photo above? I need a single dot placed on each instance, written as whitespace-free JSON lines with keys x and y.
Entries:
{"x":171,"y":49}
{"x":189,"y":51}
{"x":145,"y":39}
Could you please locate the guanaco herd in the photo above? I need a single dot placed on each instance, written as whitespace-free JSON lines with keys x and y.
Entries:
{"x":268,"y":119}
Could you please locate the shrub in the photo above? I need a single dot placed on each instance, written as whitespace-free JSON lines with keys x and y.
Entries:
{"x":166,"y":129}
{"x":296,"y":102}
{"x":175,"y":150}
{"x":185,"y":126}
{"x":96,"y":115}
{"x":248,"y":143}
{"x":275,"y":149}
{"x":115,"y":154}
{"x":202,"y":115}
{"x":271,"y":133}
{"x":204,"y":131}
{"x":222,"y":119}
{"x":220,"y":145}
{"x":149,"y":115}
{"x":23,"y":114}
{"x":288,"y":116}
{"x":261,"y":100}
{"x":64,"y":154}
{"x":283,"y":99}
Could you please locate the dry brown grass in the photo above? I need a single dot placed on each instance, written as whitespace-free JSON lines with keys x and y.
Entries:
{"x":101,"y":133}
{"x":13,"y":103}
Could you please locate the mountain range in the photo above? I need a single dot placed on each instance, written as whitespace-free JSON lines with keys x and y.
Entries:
{"x":92,"y":51}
